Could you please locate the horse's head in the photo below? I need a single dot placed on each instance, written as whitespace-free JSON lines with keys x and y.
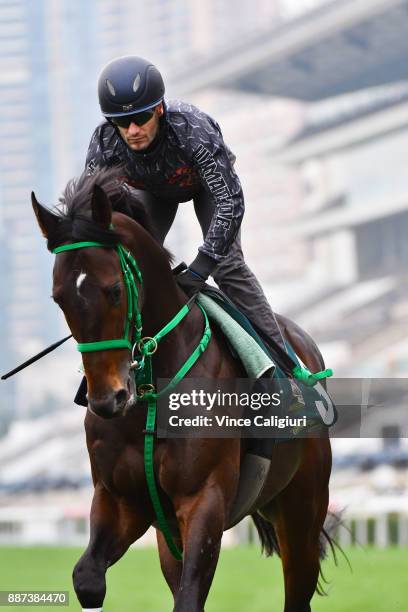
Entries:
{"x":89,"y":286}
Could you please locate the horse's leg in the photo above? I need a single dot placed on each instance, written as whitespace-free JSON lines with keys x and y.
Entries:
{"x":190,"y":580}
{"x":298,"y":515}
{"x":202,"y":514}
{"x":171,"y":568}
{"x":114,"y":526}
{"x":201,"y":519}
{"x":202,"y":528}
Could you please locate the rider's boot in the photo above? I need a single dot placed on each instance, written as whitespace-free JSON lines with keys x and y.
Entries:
{"x":276,"y":345}
{"x":297,"y":403}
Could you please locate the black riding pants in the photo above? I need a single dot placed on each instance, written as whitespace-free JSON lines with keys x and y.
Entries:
{"x":232,"y":274}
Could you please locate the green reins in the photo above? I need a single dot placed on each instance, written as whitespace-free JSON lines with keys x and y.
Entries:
{"x":143,"y":370}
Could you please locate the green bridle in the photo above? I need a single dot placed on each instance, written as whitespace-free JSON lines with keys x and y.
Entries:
{"x":130,"y":269}
{"x":143,"y":371}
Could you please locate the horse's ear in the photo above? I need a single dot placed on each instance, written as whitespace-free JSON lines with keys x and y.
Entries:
{"x":45,"y":218}
{"x":101,"y":207}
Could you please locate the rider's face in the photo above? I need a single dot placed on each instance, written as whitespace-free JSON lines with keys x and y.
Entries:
{"x":139,"y":137}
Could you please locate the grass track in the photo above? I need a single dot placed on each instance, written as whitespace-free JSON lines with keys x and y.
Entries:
{"x":244,"y":581}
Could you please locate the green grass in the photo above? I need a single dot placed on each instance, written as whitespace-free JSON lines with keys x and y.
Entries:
{"x":244,"y":581}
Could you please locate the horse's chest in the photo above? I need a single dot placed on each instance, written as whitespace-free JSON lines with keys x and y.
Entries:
{"x":120,"y":470}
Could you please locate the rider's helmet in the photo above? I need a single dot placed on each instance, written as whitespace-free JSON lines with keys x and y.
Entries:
{"x":129,"y":85}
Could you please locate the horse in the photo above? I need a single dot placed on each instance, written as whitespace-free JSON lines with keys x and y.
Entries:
{"x":196,"y":478}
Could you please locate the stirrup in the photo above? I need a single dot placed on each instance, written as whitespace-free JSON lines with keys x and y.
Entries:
{"x":297,"y":401}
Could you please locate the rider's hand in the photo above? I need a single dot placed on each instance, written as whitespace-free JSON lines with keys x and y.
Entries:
{"x":193,"y":278}
{"x":190,"y":281}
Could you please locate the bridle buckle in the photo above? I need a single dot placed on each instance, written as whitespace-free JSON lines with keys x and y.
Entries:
{"x":145,"y":388}
{"x":143,"y":343}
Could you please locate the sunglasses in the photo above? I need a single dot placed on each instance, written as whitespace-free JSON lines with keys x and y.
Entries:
{"x":139,"y":118}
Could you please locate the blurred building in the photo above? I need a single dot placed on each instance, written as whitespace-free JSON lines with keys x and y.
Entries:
{"x":341,"y":46}
{"x":25,"y":163}
{"x":7,"y":397}
{"x":351,"y":157}
{"x":174,"y":33}
{"x":344,"y":259}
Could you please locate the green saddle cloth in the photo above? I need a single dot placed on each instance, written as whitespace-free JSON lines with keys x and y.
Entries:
{"x":256,"y":358}
{"x":247,"y":346}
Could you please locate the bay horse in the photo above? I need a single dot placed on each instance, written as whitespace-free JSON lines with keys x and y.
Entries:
{"x":196,"y":478}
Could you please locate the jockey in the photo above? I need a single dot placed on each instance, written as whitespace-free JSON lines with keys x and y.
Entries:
{"x":174,"y":153}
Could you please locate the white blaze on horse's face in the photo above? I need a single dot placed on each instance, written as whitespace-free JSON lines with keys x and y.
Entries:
{"x":80,"y":280}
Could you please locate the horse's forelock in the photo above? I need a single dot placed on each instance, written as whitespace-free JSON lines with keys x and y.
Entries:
{"x":75,"y":214}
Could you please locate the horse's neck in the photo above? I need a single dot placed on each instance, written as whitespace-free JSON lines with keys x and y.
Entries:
{"x":160,"y":304}
{"x":162,"y":301}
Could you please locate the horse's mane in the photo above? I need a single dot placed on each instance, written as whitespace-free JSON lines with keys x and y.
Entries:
{"x":75,"y":215}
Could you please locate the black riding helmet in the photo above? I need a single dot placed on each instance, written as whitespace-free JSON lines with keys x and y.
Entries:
{"x":129,"y":85}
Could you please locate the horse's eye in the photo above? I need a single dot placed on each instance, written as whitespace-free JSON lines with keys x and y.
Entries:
{"x":115,"y":293}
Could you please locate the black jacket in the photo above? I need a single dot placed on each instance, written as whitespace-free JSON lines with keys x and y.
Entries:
{"x":189,"y":154}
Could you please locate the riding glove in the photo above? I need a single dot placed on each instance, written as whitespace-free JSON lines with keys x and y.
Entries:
{"x":190,"y":282}
{"x":192,"y":279}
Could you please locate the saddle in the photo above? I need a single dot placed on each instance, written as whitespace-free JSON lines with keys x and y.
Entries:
{"x":264,"y":343}
{"x":275,"y":356}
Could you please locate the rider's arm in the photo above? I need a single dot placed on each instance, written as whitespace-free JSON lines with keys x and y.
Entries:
{"x":212,"y":160}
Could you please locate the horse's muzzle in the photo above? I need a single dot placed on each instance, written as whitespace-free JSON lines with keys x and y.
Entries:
{"x":111,"y":406}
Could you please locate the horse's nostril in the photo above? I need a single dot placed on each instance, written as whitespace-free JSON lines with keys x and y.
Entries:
{"x":121,"y":397}
{"x":111,"y":406}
